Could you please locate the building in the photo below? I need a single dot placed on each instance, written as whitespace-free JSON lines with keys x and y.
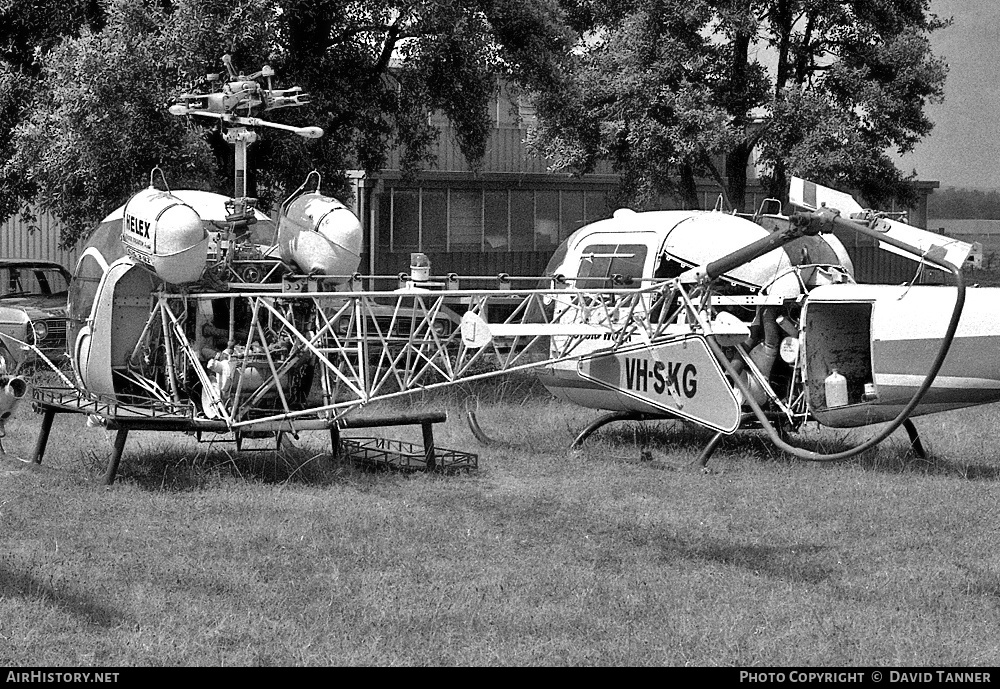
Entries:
{"x":38,"y":241}
{"x":984,"y":235}
{"x":508,"y":216}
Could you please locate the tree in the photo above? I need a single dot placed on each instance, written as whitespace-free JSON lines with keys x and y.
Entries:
{"x":374,"y":69}
{"x":27,"y":31}
{"x":821,"y":88}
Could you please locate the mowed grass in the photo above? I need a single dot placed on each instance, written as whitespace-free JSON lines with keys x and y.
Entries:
{"x":544,"y":556}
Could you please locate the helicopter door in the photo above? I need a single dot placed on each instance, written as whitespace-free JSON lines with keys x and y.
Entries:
{"x":121,"y":309}
{"x":838,"y":357}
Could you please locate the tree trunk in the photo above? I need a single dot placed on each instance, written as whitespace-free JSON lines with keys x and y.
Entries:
{"x":781,"y":26}
{"x":739,"y":107}
{"x":688,"y":188}
{"x":777,"y":186}
{"x":736,"y":176}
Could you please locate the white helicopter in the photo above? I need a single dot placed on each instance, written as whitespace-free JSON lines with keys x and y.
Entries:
{"x":189,"y":313}
{"x":761,"y":322}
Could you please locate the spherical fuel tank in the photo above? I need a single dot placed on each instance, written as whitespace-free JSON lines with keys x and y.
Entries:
{"x":318,"y":234}
{"x":166,"y":235}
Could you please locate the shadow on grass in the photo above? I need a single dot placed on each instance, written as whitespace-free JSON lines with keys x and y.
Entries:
{"x":545,"y":522}
{"x":796,"y":563}
{"x":179,"y":469}
{"x":81,"y":606}
{"x":890,"y":456}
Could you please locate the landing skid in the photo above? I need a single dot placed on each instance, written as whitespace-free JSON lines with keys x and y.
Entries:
{"x":477,"y":430}
{"x":713,"y":444}
{"x":612,"y":417}
{"x":52,"y":401}
{"x":918,"y":447}
{"x":911,"y":431}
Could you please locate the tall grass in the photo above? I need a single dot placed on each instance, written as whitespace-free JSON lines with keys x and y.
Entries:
{"x":622,"y":553}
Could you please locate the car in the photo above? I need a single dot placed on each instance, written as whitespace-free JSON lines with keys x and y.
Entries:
{"x":32,"y":312}
{"x":396,"y":324}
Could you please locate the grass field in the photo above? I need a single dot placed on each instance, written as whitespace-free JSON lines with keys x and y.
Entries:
{"x":543,"y":556}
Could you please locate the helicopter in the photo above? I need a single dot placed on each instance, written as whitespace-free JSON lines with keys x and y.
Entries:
{"x":191,"y":311}
{"x":768,"y":327}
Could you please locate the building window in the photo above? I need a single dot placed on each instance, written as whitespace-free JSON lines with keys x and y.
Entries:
{"x":546,"y":220}
{"x":440,"y":219}
{"x":405,"y":220}
{"x":465,"y":220}
{"x":571,"y":213}
{"x":522,"y":220}
{"x":496,"y":220}
{"x":433,"y":220}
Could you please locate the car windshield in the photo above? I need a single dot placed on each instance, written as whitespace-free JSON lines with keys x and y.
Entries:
{"x":32,"y":280}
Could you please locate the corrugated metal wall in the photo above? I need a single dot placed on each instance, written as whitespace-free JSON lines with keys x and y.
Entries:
{"x":875,"y":265}
{"x":16,"y":241}
{"x":505,"y":152}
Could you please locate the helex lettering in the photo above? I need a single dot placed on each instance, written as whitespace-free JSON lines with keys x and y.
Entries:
{"x":137,"y":226}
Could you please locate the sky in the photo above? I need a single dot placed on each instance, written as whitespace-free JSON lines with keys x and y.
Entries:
{"x":963,"y":150}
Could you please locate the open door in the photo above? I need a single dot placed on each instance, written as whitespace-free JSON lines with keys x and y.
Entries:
{"x":121,"y":309}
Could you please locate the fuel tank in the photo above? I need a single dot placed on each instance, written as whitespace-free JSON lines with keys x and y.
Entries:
{"x":319,"y":235}
{"x":883,"y":339}
{"x":166,"y":235}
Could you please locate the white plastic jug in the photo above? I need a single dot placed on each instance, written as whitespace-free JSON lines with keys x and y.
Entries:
{"x":836,"y":390}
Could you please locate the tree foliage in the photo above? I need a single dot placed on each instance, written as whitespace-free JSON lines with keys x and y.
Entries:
{"x":821,"y":88}
{"x":668,"y":90}
{"x":375,"y":69}
{"x":28,"y":30}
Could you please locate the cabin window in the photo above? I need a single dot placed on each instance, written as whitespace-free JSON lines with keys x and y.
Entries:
{"x":601,"y":262}
{"x":84,"y":290}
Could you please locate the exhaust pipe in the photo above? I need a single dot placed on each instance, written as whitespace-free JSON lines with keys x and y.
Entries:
{"x":12,"y":390}
{"x":765,"y":353}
